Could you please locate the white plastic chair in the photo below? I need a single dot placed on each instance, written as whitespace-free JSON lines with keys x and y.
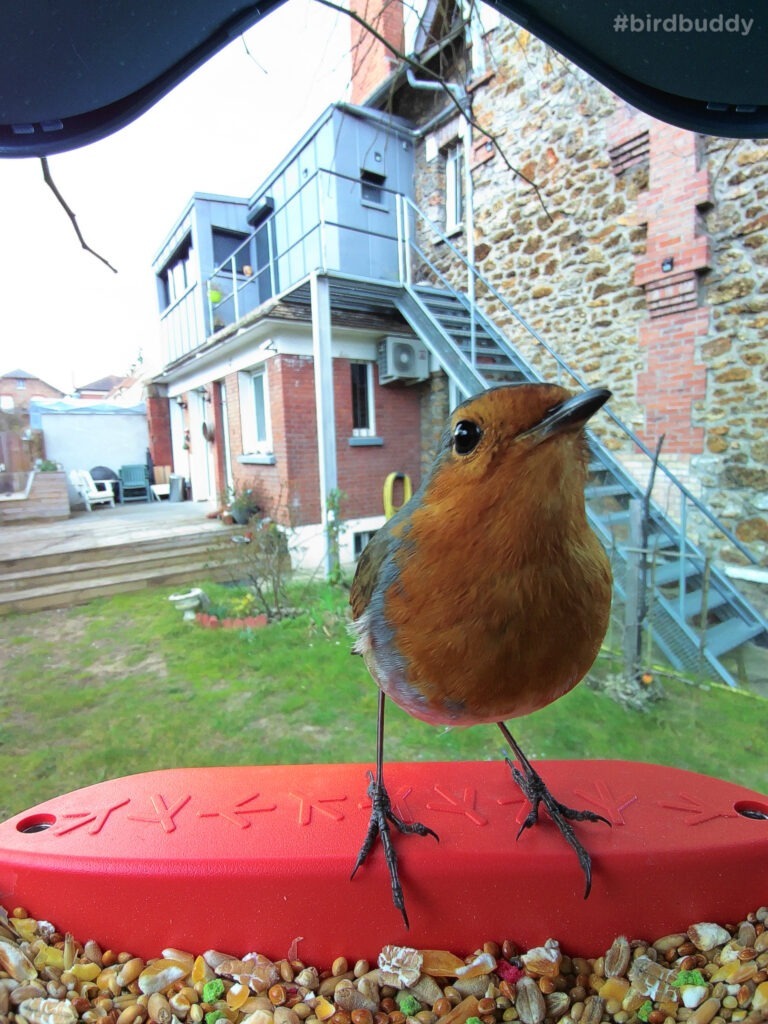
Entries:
{"x":93,"y":492}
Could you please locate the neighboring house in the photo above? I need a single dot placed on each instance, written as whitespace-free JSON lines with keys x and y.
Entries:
{"x":18,"y":388}
{"x":106,"y":388}
{"x":592,"y":236}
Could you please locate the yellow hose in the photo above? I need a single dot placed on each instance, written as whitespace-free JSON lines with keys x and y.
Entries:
{"x":389,"y":487}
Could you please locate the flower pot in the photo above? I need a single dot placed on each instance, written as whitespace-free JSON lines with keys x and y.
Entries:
{"x":241,"y":515}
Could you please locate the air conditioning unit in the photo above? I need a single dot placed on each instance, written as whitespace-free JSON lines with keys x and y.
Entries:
{"x":402,"y":360}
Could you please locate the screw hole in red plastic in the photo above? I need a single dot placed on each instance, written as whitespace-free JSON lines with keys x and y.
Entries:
{"x":36,"y":823}
{"x":750,"y":809}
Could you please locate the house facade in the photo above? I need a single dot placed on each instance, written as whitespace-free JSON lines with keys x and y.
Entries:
{"x":255,"y":295}
{"x":18,"y":388}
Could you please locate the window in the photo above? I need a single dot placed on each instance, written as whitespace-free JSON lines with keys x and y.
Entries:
{"x":225,"y":245}
{"x":454,"y":188}
{"x":258,"y":382}
{"x":254,"y":412}
{"x":176,"y":276}
{"x":372,"y":188}
{"x":360,"y":541}
{"x":21,"y":384}
{"x":362,"y":400}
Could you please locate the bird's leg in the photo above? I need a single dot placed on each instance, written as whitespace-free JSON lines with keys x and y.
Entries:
{"x":381,"y":815}
{"x":535,"y":790}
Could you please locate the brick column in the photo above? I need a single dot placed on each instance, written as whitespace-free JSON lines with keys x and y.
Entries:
{"x":372,"y":61}
{"x":675,"y":254}
{"x":159,"y":426}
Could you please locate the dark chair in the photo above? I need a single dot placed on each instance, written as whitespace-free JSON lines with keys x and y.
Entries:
{"x":134,"y":483}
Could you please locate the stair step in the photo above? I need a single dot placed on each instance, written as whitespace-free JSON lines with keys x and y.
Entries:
{"x":730,"y":634}
{"x":80,"y":591}
{"x":693,"y":601}
{"x":604,"y":490}
{"x":669,"y":572}
{"x":126,"y":557}
{"x":609,"y":518}
{"x":96,"y":552}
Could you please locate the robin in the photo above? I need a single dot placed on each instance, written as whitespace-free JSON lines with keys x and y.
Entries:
{"x":487,"y":595}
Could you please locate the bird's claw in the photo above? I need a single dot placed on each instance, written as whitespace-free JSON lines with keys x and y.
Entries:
{"x":381,"y":815}
{"x":536,"y":792}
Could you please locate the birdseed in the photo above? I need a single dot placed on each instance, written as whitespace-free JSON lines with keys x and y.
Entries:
{"x":712,"y":974}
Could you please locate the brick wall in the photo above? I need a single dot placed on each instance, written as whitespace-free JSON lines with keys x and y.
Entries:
{"x":33,"y":388}
{"x":363,"y":470}
{"x":159,"y":426}
{"x":290,"y":489}
{"x":372,"y":61}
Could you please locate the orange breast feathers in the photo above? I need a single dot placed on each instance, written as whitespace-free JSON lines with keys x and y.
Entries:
{"x":488,"y":595}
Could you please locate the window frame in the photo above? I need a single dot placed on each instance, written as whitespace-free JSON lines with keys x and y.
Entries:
{"x":454,"y":188}
{"x":373,"y":190}
{"x":175,"y":276}
{"x":369,"y":391}
{"x":227,"y":235}
{"x":253,"y":444}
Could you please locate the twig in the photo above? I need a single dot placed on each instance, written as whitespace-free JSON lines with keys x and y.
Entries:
{"x":436,"y":77}
{"x":52,"y":185}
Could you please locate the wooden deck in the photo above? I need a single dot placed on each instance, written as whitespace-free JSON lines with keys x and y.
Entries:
{"x":124,"y":524}
{"x":70,"y":561}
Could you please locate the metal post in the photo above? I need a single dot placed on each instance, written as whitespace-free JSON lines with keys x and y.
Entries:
{"x":269,"y":227}
{"x":469,"y":228}
{"x":407,"y":242}
{"x":681,"y":564}
{"x":233,"y":271}
{"x":633,"y":598}
{"x":400,"y":242}
{"x":326,"y":431}
{"x":323,"y":239}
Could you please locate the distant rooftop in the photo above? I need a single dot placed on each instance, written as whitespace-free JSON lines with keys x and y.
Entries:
{"x":20,"y":375}
{"x":103,"y":384}
{"x":23,"y":375}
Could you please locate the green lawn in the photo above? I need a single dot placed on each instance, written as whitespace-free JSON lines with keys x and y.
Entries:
{"x":125,"y":685}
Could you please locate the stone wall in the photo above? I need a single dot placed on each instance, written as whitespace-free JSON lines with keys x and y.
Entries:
{"x":638,"y":256}
{"x":734,"y":465}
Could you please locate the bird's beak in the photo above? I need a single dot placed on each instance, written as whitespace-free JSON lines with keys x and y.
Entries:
{"x":573,"y":412}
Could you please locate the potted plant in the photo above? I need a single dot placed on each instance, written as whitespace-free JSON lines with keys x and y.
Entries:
{"x":242,"y":504}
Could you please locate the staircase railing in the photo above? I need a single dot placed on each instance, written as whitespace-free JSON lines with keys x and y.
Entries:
{"x":418,"y":266}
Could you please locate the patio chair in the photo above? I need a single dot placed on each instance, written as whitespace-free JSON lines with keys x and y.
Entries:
{"x":134,"y":481}
{"x":93,"y":492}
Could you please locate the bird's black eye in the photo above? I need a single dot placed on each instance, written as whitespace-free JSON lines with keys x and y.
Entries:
{"x":466,"y":436}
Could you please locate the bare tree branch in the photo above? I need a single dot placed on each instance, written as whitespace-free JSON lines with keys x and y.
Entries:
{"x":52,"y":185}
{"x":438,"y":78}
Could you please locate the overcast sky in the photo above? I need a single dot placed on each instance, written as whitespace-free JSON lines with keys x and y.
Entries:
{"x":66,"y":317}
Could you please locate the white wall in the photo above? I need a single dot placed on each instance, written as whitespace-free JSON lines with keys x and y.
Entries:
{"x":84,"y":440}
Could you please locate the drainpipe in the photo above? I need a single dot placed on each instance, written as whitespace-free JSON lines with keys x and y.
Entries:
{"x":469,"y":218}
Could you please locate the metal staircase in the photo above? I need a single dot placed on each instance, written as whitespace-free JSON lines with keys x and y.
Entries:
{"x":695,"y":615}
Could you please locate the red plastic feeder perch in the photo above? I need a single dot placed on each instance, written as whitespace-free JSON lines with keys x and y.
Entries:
{"x":250,"y":859}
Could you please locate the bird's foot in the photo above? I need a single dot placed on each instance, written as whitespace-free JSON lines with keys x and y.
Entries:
{"x":381,"y":815}
{"x":536,"y":792}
